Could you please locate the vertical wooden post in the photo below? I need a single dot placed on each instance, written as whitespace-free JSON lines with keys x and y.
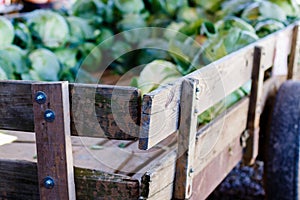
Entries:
{"x":186,"y":140}
{"x":254,"y":111}
{"x":53,"y":142}
{"x":293,"y":68}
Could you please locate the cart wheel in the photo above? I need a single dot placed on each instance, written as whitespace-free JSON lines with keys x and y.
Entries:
{"x":282,"y":161}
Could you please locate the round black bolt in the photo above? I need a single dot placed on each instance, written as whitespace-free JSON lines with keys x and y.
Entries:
{"x":49,"y":115}
{"x":40,"y":97}
{"x":48,"y":182}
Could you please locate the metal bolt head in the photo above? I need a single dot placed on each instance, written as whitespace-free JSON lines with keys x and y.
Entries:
{"x":49,"y":115}
{"x":40,"y":97}
{"x":48,"y":182}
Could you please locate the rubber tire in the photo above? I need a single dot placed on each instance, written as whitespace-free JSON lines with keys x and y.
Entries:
{"x":282,"y":149}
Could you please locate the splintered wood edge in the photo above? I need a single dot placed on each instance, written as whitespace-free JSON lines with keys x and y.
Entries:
{"x":153,"y":101}
{"x":17,"y":113}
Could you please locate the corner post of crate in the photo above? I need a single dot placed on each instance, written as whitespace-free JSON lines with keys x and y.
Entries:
{"x":53,"y":142}
{"x":293,"y":68}
{"x":186,"y":140}
{"x":250,"y":137}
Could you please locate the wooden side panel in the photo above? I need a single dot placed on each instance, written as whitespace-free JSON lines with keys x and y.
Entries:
{"x":105,"y":111}
{"x":160,"y":108}
{"x":214,"y":172}
{"x":16,"y":106}
{"x":97,"y":110}
{"x":215,"y":137}
{"x":18,"y":180}
{"x":53,"y":140}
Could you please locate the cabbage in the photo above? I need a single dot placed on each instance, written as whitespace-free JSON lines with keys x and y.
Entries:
{"x":16,"y":57}
{"x":50,"y":27}
{"x":45,"y":65}
{"x":80,"y":29}
{"x":6,"y":32}
{"x":156,"y":73}
{"x":129,"y":6}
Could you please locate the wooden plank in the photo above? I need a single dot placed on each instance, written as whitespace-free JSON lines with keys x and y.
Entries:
{"x":53,"y":140}
{"x":216,"y":136}
{"x":186,"y":140}
{"x":158,"y":179}
{"x":18,"y":180}
{"x":212,"y":140}
{"x":116,"y":109}
{"x":255,"y":108}
{"x":213,"y":173}
{"x":294,"y":56}
{"x":160,"y":109}
{"x":105,"y":111}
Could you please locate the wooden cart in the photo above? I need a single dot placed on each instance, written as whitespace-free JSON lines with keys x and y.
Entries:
{"x":101,"y":142}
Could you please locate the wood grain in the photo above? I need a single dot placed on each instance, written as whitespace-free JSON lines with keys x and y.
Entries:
{"x":18,"y":180}
{"x":216,"y":136}
{"x":53,"y":141}
{"x":215,"y":171}
{"x":97,"y":110}
{"x":186,"y":140}
{"x":160,"y":108}
{"x":293,"y":69}
{"x":255,"y":108}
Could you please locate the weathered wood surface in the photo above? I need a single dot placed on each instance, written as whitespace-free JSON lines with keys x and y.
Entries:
{"x":160,"y":108}
{"x":255,"y":108}
{"x":293,"y":68}
{"x":186,"y":140}
{"x":53,"y":140}
{"x":97,"y":110}
{"x":214,"y":141}
{"x":18,"y":180}
{"x":212,"y":175}
{"x":158,"y":182}
{"x":215,"y":137}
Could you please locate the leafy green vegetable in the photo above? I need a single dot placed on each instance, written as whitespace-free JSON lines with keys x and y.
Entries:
{"x":266,"y":27}
{"x":3,"y":75}
{"x":22,"y":36}
{"x":262,"y":10}
{"x":80,"y":30}
{"x":156,"y":73}
{"x":48,"y":26}
{"x":45,"y":65}
{"x":16,"y":57}
{"x":129,"y":6}
{"x":6,"y":32}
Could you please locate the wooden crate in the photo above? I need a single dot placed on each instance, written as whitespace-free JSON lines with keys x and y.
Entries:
{"x":95,"y":137}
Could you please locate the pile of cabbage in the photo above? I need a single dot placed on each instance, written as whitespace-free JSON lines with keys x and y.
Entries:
{"x":53,"y":45}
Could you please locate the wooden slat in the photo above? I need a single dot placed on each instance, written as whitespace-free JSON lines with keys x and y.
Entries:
{"x":105,"y":111}
{"x":213,"y":140}
{"x":115,"y":108}
{"x":158,"y":179}
{"x":255,"y":108}
{"x":53,"y":140}
{"x":213,"y":173}
{"x":18,"y":180}
{"x":160,"y":109}
{"x":186,"y":140}
{"x":215,"y":137}
{"x":294,"y":56}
